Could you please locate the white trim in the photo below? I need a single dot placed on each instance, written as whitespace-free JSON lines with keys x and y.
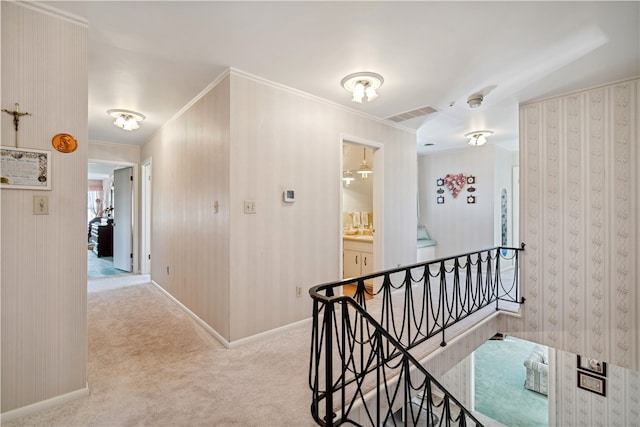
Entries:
{"x":267,"y":334}
{"x":240,"y":73}
{"x":146,"y":171}
{"x":579,"y":91}
{"x":378,"y":201}
{"x":52,"y":11}
{"x":5,"y":417}
{"x":189,"y":104}
{"x":220,"y":338}
{"x":198,"y":320}
{"x":111,"y":144}
{"x":198,"y":97}
{"x":236,"y":72}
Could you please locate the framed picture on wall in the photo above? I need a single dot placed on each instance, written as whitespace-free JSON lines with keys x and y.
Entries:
{"x":592,"y":383}
{"x":25,"y":169}
{"x":440,"y":200}
{"x":592,"y":365}
{"x":440,"y":182}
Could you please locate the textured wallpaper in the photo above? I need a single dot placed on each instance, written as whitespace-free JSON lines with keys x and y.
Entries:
{"x":579,"y":192}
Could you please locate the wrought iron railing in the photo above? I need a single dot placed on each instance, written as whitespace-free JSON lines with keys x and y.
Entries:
{"x":364,"y":367}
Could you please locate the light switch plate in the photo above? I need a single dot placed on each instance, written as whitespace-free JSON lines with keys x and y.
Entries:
{"x":249,"y":206}
{"x":41,"y":205}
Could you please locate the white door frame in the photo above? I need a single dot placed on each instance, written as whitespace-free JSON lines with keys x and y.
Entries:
{"x":136,"y":243}
{"x":378,"y":199}
{"x":145,"y":219}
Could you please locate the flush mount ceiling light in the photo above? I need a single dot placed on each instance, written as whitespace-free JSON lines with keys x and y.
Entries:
{"x":475,"y":101}
{"x":126,"y":119}
{"x":478,"y":137}
{"x":361,"y":84}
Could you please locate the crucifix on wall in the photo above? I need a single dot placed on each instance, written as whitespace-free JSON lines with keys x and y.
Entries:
{"x":16,"y":118}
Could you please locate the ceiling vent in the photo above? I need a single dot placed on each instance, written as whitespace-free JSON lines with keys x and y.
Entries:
{"x":418,"y":112}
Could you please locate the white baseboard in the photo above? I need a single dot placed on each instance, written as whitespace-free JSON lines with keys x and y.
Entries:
{"x":269,"y":333}
{"x":194,"y":316}
{"x":44,"y":404}
{"x":220,"y":338}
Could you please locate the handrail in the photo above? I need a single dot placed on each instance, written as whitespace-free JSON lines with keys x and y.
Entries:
{"x":348,"y":335}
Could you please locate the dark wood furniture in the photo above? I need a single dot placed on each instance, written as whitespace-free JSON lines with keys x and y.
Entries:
{"x":102,"y":239}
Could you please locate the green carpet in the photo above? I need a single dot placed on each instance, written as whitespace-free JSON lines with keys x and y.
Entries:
{"x":499,"y":384}
{"x":100,"y":266}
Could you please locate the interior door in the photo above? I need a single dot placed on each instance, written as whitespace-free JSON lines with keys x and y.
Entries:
{"x":123,"y":219}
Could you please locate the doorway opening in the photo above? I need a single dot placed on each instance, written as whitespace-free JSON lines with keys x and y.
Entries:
{"x":360,"y":212}
{"x":109,"y":250}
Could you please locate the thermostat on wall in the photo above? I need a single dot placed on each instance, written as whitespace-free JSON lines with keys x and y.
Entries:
{"x":288,"y":196}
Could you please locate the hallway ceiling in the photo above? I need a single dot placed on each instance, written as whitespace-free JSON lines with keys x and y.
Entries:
{"x":155,"y":56}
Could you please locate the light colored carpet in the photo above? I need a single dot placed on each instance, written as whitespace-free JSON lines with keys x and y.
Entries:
{"x":150,"y":364}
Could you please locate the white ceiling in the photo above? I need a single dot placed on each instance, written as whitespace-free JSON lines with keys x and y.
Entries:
{"x":155,"y":56}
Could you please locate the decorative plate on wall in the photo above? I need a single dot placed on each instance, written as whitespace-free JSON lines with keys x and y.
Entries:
{"x":64,"y":143}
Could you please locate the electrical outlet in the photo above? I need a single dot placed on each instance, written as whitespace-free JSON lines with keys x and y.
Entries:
{"x":40,"y":205}
{"x":249,"y":206}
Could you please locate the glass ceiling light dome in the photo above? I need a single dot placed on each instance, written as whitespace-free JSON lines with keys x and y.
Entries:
{"x":478,"y":137}
{"x":126,"y":119}
{"x":363,"y":84}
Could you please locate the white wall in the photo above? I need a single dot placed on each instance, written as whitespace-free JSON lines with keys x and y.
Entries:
{"x":358,"y":196}
{"x":457,"y":226}
{"x":189,"y":241}
{"x":247,"y":139}
{"x":580,"y":222}
{"x":282,"y":139}
{"x":44,"y":257}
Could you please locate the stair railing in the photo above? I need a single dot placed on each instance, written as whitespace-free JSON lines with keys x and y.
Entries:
{"x":361,"y":369}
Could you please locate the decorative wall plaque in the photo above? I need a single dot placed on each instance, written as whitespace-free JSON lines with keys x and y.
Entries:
{"x":64,"y":143}
{"x":25,"y":169}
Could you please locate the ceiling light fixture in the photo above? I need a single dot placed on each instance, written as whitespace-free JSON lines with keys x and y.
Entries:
{"x":475,"y":101}
{"x":364,"y":169}
{"x":126,"y":119}
{"x":347,"y":177}
{"x":478,"y":137}
{"x":361,"y":84}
